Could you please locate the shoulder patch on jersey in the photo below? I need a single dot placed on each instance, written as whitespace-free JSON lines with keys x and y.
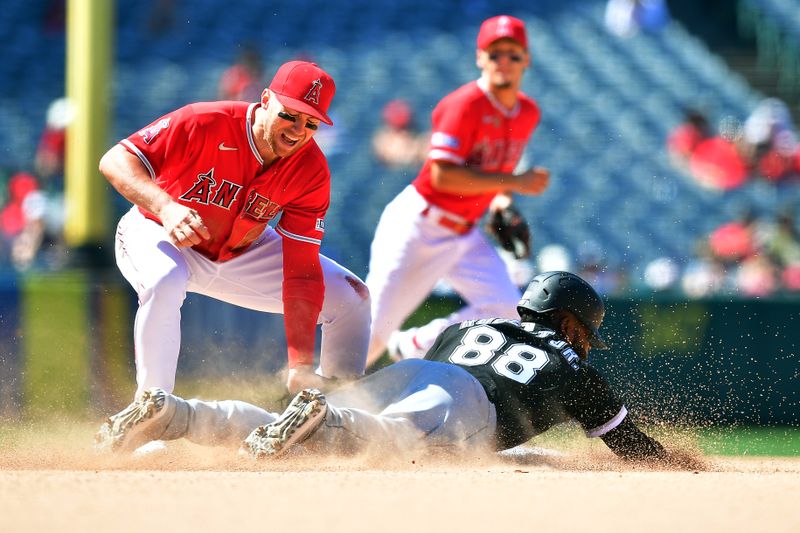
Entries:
{"x":148,"y":134}
{"x":320,"y":225}
{"x":444,"y":140}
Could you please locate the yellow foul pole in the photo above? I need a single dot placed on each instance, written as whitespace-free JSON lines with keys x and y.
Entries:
{"x":88,"y":68}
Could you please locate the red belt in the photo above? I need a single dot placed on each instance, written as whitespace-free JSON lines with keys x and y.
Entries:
{"x":457,"y":226}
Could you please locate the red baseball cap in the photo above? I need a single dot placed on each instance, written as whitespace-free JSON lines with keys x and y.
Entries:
{"x":305,"y":88}
{"x":397,"y":113}
{"x":500,"y":27}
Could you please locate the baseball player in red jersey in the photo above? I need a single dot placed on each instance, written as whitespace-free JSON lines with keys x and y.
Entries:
{"x":206,"y":180}
{"x":427,"y":232}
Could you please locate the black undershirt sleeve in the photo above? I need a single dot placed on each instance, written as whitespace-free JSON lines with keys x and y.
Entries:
{"x":628,"y":441}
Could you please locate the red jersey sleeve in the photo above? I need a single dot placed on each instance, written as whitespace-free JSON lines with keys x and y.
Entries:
{"x":303,"y":283}
{"x":303,"y":294}
{"x":303,"y":218}
{"x":167,"y":139}
{"x":302,"y":272}
{"x":302,"y":227}
{"x":453,"y":130}
{"x":304,"y":224}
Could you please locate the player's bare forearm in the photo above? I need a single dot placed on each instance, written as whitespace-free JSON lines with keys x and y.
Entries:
{"x":456,"y":179}
{"x":130,"y":178}
{"x":533,"y":181}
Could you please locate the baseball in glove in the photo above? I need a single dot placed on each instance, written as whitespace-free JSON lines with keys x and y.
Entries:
{"x":509,"y":227}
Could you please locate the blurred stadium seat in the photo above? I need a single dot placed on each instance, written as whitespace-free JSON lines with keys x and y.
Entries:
{"x":608,"y":104}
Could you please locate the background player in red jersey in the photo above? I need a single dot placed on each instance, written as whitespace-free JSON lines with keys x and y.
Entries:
{"x":206,"y":180}
{"x":427,"y":232}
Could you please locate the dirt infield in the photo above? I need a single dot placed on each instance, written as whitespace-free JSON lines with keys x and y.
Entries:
{"x":190,"y":489}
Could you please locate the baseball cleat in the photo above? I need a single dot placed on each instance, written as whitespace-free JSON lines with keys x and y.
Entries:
{"x":301,"y":418}
{"x":145,"y":420}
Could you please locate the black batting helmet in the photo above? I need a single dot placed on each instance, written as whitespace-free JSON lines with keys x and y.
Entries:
{"x":561,"y":290}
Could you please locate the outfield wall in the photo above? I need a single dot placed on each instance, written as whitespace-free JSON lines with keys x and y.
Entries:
{"x":65,"y":345}
{"x":706,"y":361}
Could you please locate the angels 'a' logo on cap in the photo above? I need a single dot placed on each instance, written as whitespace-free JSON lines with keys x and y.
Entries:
{"x":504,"y":26}
{"x":313,"y":92}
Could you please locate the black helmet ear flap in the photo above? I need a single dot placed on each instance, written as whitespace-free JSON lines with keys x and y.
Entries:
{"x":563,"y":290}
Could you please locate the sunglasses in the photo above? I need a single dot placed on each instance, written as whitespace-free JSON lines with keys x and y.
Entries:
{"x":514,"y":58}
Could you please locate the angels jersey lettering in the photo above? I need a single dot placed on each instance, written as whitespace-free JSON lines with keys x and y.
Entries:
{"x":204,"y":156}
{"x":206,"y":190}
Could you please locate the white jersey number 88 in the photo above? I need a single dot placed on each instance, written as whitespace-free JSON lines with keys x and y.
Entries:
{"x":480,"y":344}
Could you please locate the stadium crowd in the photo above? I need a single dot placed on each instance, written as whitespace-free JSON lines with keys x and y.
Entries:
{"x":756,"y":255}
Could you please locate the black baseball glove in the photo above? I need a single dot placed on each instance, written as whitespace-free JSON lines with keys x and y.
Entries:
{"x":508,"y":226}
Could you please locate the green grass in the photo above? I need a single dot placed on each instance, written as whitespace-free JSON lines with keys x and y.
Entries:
{"x":729,"y":441}
{"x":750,"y":441}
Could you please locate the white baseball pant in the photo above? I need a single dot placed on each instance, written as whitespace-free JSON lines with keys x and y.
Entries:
{"x":405,"y":407}
{"x":410,"y":253}
{"x":162,"y":274}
